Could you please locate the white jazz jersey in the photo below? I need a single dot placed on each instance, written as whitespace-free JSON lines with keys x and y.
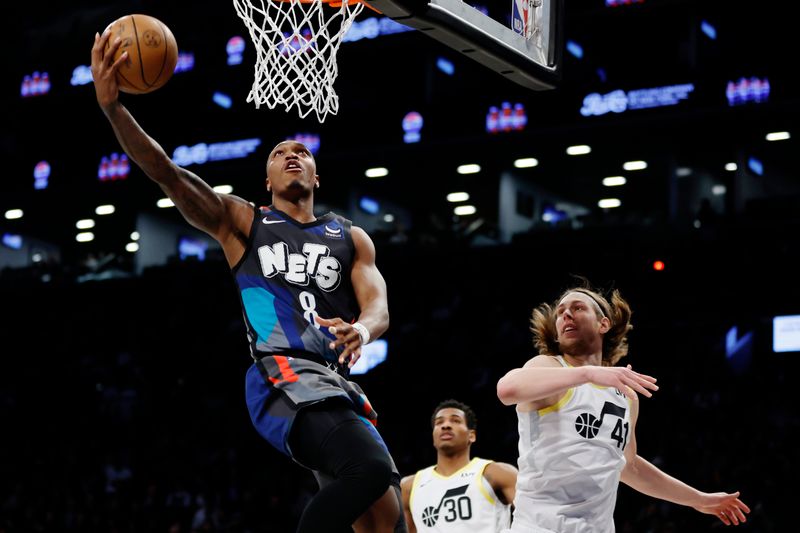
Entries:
{"x":570,"y":458}
{"x":463,"y":502}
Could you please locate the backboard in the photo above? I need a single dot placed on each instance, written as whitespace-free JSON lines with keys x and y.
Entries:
{"x":527,"y":51}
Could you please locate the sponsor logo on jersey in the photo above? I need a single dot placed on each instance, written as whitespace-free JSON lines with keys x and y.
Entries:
{"x":334,"y":231}
{"x":268,"y":221}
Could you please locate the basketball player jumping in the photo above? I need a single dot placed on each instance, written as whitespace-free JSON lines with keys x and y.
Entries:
{"x":312,"y":296}
{"x":577,"y":414}
{"x":458,"y":494}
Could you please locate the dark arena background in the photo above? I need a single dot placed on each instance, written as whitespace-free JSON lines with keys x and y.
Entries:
{"x":122,"y":358}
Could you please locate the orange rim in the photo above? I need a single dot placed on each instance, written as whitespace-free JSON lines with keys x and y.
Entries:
{"x":332,"y":3}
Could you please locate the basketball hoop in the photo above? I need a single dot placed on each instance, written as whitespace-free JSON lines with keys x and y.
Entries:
{"x":296,"y":42}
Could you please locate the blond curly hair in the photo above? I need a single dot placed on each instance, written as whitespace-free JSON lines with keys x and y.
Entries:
{"x":615,"y":308}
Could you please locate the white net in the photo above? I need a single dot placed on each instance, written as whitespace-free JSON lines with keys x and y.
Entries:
{"x":296,"y":44}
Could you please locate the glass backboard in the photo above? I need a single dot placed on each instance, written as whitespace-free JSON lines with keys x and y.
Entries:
{"x":526,"y":50}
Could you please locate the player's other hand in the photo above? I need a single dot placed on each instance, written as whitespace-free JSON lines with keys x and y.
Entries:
{"x":727,"y":507}
{"x":347,"y":339}
{"x":623,"y":379}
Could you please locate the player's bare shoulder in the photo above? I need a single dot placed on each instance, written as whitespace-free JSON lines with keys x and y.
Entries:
{"x":542,"y":361}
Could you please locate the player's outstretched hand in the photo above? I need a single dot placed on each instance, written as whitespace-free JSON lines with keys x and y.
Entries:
{"x":727,"y":507}
{"x":623,"y":379}
{"x":346,"y":336}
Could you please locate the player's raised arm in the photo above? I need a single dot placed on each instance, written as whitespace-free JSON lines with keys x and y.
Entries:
{"x":220,"y":216}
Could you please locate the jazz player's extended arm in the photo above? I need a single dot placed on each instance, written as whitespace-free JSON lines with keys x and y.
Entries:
{"x":542,"y":381}
{"x":226,"y":218}
{"x":645,"y":477}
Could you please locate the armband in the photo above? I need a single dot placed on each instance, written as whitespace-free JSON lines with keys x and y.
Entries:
{"x":363,"y":332}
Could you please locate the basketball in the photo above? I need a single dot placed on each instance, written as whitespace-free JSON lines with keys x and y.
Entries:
{"x":152,"y":53}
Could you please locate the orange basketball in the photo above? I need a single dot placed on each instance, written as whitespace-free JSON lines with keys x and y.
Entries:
{"x":152,"y":53}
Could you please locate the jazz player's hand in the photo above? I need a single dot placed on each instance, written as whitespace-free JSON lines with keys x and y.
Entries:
{"x":623,"y":379}
{"x":346,"y":337}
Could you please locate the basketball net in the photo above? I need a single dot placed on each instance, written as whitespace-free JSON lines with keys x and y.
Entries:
{"x":296,"y":43}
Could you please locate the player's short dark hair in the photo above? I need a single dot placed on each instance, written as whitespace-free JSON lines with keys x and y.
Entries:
{"x":472,"y":420}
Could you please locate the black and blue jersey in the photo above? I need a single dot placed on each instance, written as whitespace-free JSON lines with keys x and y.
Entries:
{"x":291,"y":273}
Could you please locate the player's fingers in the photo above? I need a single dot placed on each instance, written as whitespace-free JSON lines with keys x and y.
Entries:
{"x":323,"y":321}
{"x":121,"y":59}
{"x":637,"y":387}
{"x":112,"y":50}
{"x":346,"y":353}
{"x":649,"y":384}
{"x":642,"y":390}
{"x":102,"y":43}
{"x":97,"y":48}
{"x":645,"y":377}
{"x":628,"y":392}
{"x":641,"y":376}
{"x":354,"y":358}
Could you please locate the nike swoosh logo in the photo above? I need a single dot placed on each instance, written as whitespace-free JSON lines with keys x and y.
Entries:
{"x":265,"y":221}
{"x":335,"y":231}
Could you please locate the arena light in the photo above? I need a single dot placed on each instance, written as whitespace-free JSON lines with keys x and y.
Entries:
{"x":755,"y":165}
{"x":132,"y":247}
{"x":718,"y":190}
{"x":579,"y":149}
{"x":376,"y":172}
{"x":86,"y":223}
{"x":106,"y":209}
{"x":609,"y":203}
{"x":778,"y":136}
{"x":634,"y":165}
{"x":135,"y":236}
{"x":614,"y":181}
{"x":464,"y":210}
{"x":164,"y":203}
{"x":454,"y":197}
{"x":470,"y":168}
{"x":369,"y":205}
{"x":446,"y":66}
{"x":224,"y":189}
{"x":12,"y":241}
{"x":84,"y":236}
{"x":575,"y":49}
{"x":526,"y":162}
{"x":13,"y":214}
{"x":786,"y":333}
{"x":222,"y":100}
{"x":710,"y":31}
{"x":659,"y":266}
{"x":730,"y":167}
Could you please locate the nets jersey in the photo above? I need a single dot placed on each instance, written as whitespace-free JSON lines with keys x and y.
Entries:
{"x":461,"y":502}
{"x":291,"y":273}
{"x":570,"y":458}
